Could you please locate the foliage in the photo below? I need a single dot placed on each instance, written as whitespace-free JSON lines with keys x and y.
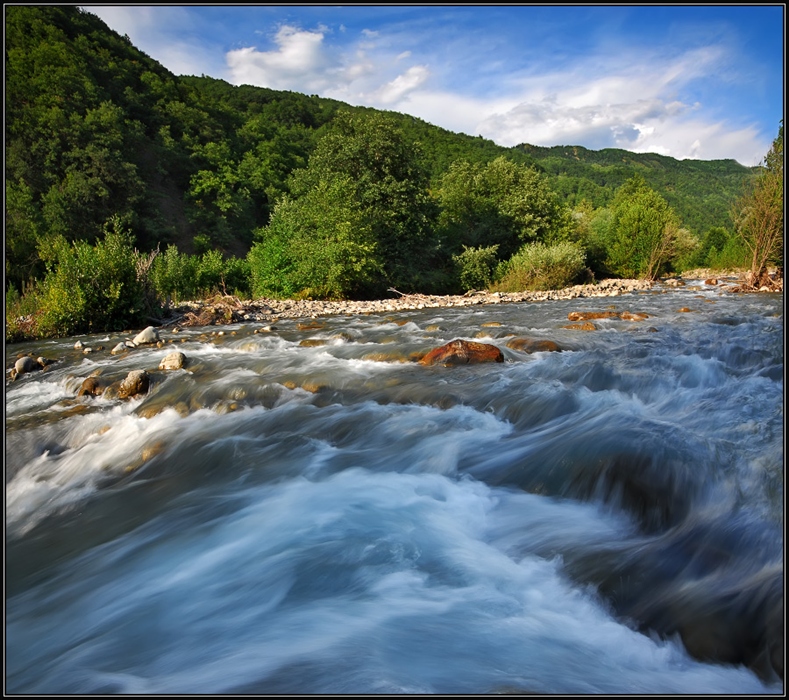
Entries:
{"x":700,"y":192}
{"x":759,"y":215}
{"x":475,"y":266}
{"x":500,"y":203}
{"x":733,"y":255}
{"x":537,"y":266}
{"x":358,"y":220}
{"x":90,"y":288}
{"x":179,"y":277}
{"x":644,"y":233}
{"x":320,"y":245}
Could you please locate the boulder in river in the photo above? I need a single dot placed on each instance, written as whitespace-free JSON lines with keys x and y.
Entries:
{"x":26,"y":364}
{"x":588,"y":315}
{"x":136,"y":382}
{"x":175,"y":360}
{"x":92,"y":386}
{"x":530,"y":345}
{"x":146,"y":337}
{"x":462,"y":352}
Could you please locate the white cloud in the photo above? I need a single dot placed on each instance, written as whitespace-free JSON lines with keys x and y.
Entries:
{"x":398,"y":88}
{"x":300,"y":56}
{"x":635,"y":107}
{"x":151,"y":31}
{"x":632,"y":98}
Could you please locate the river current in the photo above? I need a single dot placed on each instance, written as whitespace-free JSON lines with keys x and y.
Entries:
{"x":333,"y":517}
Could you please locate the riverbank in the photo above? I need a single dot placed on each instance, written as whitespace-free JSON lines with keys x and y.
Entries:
{"x":229,"y":309}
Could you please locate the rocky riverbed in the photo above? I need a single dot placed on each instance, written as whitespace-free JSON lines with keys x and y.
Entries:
{"x":486,"y":494}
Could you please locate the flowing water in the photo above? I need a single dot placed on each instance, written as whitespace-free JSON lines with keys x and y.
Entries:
{"x":332,"y":518}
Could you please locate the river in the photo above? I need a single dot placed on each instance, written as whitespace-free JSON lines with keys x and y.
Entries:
{"x":333,"y":517}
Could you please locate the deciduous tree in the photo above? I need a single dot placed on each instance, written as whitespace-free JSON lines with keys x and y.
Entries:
{"x":759,"y":216}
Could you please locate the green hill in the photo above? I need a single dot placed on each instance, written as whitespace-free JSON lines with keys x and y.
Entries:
{"x":96,"y":128}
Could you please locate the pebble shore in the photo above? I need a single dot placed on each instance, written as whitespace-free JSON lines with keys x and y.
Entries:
{"x":267,"y":310}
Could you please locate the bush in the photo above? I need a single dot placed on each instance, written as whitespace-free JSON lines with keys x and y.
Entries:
{"x":539,"y":267}
{"x":475,"y":267}
{"x":320,"y":245}
{"x":734,"y":255}
{"x":20,"y":311}
{"x":179,"y":276}
{"x":174,"y":275}
{"x":90,"y":288}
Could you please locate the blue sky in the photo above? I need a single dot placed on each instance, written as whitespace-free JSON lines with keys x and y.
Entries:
{"x":685,"y":81}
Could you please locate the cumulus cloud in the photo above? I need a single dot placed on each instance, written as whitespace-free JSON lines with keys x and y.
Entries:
{"x":398,"y":88}
{"x":634,"y":108}
{"x":299,"y":57}
{"x":640,"y":98}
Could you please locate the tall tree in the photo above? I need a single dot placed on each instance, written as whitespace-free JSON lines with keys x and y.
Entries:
{"x":363,"y":196}
{"x":759,"y":216}
{"x":644,"y":231}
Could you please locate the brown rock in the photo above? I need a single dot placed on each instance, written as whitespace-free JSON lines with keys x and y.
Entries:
{"x":589,"y":315}
{"x":711,"y":280}
{"x":581,"y":326}
{"x":136,"y":382}
{"x":310,"y":326}
{"x":685,"y":310}
{"x":530,"y":345}
{"x":92,"y":386}
{"x":461,"y":352}
{"x":312,"y":343}
{"x":633,"y":316}
{"x":175,"y":360}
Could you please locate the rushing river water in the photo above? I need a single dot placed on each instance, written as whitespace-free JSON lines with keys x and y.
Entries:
{"x":323,"y":518}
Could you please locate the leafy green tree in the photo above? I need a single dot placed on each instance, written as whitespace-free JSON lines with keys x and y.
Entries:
{"x":499,"y":203}
{"x":475,"y":267}
{"x":319,"y":245}
{"x":759,"y":216}
{"x":359,"y":218}
{"x":643,"y":233}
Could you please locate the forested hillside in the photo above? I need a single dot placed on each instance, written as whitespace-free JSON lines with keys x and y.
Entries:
{"x":280,"y":192}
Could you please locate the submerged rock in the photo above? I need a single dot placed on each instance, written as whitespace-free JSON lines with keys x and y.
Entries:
{"x":588,"y":315}
{"x":529,"y":345}
{"x":461,"y":352}
{"x":588,"y":326}
{"x":633,"y":316}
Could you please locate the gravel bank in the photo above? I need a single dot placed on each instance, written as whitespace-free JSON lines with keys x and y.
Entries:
{"x":231,"y":309}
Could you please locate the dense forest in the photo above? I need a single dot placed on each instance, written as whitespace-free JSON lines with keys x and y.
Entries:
{"x":126,"y":184}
